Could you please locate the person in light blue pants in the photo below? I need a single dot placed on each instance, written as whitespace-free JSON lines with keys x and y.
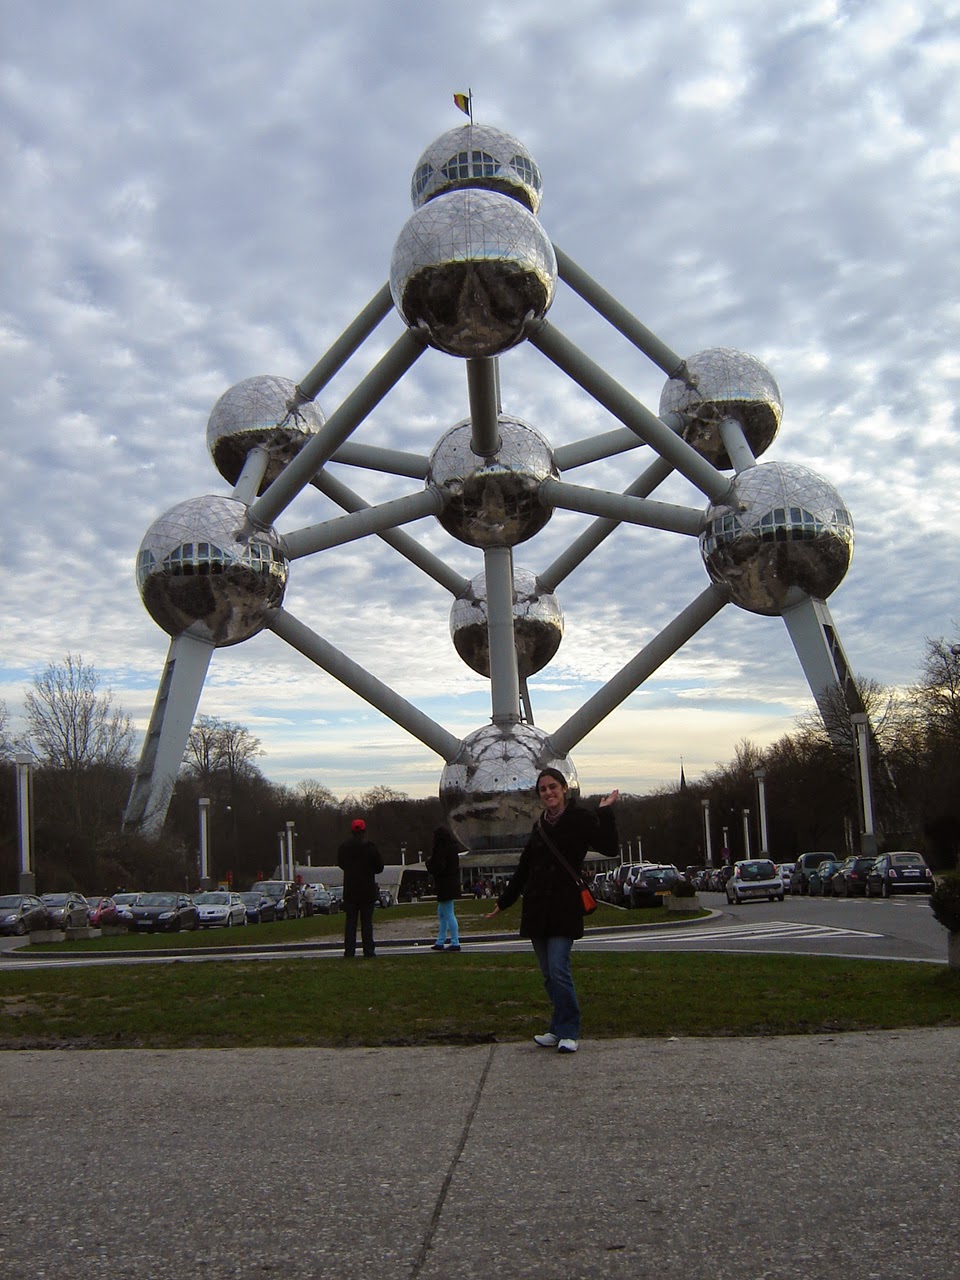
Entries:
{"x":444,"y":865}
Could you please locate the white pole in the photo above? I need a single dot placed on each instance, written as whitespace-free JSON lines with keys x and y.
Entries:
{"x":204,"y":806}
{"x":746,"y":834}
{"x":761,"y":777}
{"x":290,"y":826}
{"x":24,"y":765}
{"x":706,"y":827}
{"x":868,"y":841}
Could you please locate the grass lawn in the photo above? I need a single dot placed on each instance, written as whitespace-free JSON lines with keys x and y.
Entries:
{"x":433,"y":999}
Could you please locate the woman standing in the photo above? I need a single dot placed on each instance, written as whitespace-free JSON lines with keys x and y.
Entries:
{"x":444,"y":865}
{"x":552,"y":913}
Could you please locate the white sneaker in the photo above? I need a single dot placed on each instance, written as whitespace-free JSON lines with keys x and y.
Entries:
{"x":568,"y":1046}
{"x":547,"y":1041}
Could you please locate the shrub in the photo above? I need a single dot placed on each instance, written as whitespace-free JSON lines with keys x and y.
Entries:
{"x":683,"y":889}
{"x":945,"y":902}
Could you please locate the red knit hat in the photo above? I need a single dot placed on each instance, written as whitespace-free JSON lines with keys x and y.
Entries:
{"x":358,"y":824}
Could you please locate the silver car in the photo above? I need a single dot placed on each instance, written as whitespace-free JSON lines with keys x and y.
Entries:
{"x":220,"y":907}
{"x":754,"y":878}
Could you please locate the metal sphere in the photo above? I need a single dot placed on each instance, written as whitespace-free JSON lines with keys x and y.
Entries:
{"x":202,"y":569}
{"x":252,"y":413}
{"x":492,"y":502}
{"x":537,"y":624}
{"x":488,"y":793}
{"x":722,"y":383}
{"x":475,"y":155}
{"x":782,"y":535}
{"x":472,"y":270}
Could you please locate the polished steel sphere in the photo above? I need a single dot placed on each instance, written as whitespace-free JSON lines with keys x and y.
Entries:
{"x":537,"y":624}
{"x":492,"y":502}
{"x":488,"y":793}
{"x":202,"y":569}
{"x":783,"y":534}
{"x":722,"y":383}
{"x":255,"y":412}
{"x":471,"y":270}
{"x":475,"y":155}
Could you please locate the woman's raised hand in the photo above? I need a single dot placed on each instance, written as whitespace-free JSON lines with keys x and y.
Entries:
{"x":612,"y":798}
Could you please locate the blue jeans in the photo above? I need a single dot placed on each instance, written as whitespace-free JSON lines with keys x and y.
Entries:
{"x":448,"y":928}
{"x":553,"y":956}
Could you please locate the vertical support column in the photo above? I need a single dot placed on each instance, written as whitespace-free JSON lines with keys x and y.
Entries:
{"x":290,"y":825}
{"x":504,"y":675}
{"x":868,"y":838}
{"x":28,"y":880}
{"x":203,"y":804}
{"x":735,"y":443}
{"x":747,"y":852}
{"x":761,"y":777}
{"x":707,"y":843}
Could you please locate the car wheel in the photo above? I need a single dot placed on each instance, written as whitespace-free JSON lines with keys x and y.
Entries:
{"x":229,"y":922}
{"x":884,"y":889}
{"x":780,"y":899}
{"x":20,"y":928}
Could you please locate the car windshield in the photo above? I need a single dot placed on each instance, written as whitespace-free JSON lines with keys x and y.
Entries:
{"x":757,"y":871}
{"x":157,"y":900}
{"x":659,"y":875}
{"x":251,"y":897}
{"x":274,"y":887}
{"x":11,"y":902}
{"x":906,"y":860}
{"x":212,"y":899}
{"x":55,"y":899}
{"x":124,"y":899}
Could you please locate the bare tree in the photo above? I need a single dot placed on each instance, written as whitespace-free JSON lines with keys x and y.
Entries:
{"x":71,"y":724}
{"x":219,"y":747}
{"x":6,"y":746}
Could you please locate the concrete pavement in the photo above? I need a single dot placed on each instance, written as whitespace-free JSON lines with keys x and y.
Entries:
{"x":822,"y":1156}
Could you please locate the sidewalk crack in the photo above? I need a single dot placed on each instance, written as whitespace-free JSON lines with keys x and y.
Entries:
{"x":441,"y":1198}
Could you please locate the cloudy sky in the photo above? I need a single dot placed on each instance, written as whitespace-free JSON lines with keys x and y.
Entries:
{"x":198,"y":193}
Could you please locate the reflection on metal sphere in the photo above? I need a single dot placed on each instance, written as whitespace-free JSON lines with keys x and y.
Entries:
{"x":492,"y":502}
{"x":472,"y":270}
{"x":783,"y":534}
{"x":488,"y":793}
{"x":475,"y":155}
{"x":537,"y":624}
{"x":254,"y":412}
{"x":722,"y":383}
{"x":202,"y":569}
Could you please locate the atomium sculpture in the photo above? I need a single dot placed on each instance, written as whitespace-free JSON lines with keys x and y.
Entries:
{"x":473,"y":274}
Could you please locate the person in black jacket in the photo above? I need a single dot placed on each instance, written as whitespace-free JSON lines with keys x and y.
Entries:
{"x":360,"y":860}
{"x":444,"y":865}
{"x":552,"y":912}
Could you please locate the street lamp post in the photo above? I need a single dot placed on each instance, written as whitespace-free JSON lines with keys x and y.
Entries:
{"x":28,"y":880}
{"x":290,"y":825}
{"x":761,"y":777}
{"x":708,"y":846}
{"x":282,"y":838}
{"x":868,"y":838}
{"x":746,"y":834}
{"x":203,"y":804}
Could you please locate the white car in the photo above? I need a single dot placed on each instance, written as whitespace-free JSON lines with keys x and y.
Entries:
{"x":220,"y":907}
{"x":754,"y":878}
{"x":125,"y":903}
{"x":785,"y":870}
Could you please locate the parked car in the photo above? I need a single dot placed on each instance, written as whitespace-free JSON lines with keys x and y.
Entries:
{"x":807,"y":862}
{"x":284,"y":893}
{"x":165,"y":911}
{"x":66,"y":910}
{"x":384,"y":898}
{"x":785,"y":872}
{"x":125,"y":903}
{"x":102,"y":912}
{"x":336,"y":893}
{"x":754,"y":878}
{"x":851,"y":876}
{"x":259,"y":909}
{"x":900,"y":872}
{"x":22,"y":913}
{"x":652,"y":884}
{"x":219,"y":906}
{"x":820,"y":884}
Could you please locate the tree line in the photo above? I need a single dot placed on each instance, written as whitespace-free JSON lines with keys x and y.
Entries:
{"x":82,"y":746}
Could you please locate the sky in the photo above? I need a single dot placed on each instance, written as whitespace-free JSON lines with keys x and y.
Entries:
{"x":195,"y":194}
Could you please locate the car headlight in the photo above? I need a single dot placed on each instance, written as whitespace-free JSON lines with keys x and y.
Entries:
{"x":167,"y":915}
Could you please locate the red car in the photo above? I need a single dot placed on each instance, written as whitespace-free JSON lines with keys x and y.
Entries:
{"x":103,"y":911}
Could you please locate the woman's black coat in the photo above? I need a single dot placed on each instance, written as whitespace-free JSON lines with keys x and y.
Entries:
{"x":444,"y":865}
{"x":552,"y":907}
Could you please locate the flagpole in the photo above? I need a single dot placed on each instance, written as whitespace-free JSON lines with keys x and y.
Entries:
{"x":470,"y":103}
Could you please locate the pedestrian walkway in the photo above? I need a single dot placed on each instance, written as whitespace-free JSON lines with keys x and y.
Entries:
{"x":794,"y":1158}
